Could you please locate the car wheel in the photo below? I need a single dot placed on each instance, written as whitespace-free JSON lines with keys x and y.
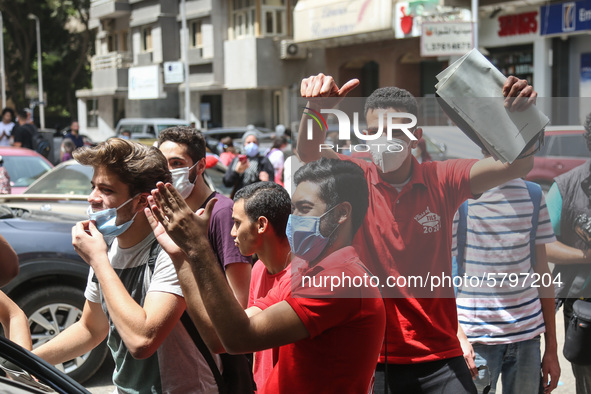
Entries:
{"x":50,"y":311}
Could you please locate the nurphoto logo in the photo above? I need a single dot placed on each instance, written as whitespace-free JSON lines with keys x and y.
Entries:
{"x":376,"y":138}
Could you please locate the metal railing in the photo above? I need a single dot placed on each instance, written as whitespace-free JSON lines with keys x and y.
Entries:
{"x":111,"y":60}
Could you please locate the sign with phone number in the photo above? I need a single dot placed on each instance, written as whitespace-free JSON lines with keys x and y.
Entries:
{"x":446,"y":39}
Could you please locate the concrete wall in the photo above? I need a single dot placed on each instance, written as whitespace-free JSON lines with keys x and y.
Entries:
{"x":167,"y":107}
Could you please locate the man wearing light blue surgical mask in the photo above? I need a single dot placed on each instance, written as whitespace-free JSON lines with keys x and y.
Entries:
{"x":311,"y":325}
{"x":133,"y":297}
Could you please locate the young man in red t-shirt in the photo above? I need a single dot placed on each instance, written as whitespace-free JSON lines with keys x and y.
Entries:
{"x":407,"y":231}
{"x":261,"y":212}
{"x":328,"y":338}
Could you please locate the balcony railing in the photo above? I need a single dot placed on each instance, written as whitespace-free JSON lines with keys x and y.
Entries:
{"x":111,"y":60}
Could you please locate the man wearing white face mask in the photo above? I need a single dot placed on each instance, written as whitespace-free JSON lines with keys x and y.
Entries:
{"x":133,"y":296}
{"x":184,"y":149}
{"x":407,"y":232}
{"x":250,"y":167}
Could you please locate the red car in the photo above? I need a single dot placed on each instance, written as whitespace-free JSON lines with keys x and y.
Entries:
{"x":23,"y":166}
{"x":565,"y":148}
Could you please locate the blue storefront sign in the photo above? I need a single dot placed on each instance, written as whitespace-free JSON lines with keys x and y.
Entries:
{"x":565,"y":17}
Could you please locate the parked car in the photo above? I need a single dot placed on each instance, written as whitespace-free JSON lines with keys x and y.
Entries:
{"x":146,"y":128}
{"x":23,"y":372}
{"x":23,"y":166}
{"x":564,"y":149}
{"x":50,"y":285}
{"x":64,"y":189}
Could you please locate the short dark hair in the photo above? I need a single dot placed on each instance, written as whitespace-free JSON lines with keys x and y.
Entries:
{"x":266,"y":199}
{"x":339,"y":181}
{"x":188,"y":136}
{"x":392,"y":97}
{"x":22,"y":113}
{"x":279,"y":142}
{"x":137,"y":165}
{"x":5,"y":110}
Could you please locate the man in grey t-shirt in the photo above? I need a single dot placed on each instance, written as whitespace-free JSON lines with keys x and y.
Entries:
{"x":135,"y":305}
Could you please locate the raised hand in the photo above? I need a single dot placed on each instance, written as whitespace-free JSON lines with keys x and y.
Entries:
{"x":318,"y":86}
{"x":163,"y":238}
{"x":183,"y":226}
{"x":519,"y":95}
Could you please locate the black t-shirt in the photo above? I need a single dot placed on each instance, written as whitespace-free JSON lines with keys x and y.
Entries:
{"x":24,"y":135}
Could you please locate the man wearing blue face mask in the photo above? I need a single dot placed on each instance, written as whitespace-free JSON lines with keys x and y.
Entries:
{"x":313,"y":327}
{"x":250,"y":167}
{"x":133,"y":297}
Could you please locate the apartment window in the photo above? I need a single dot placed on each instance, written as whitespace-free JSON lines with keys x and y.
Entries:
{"x":112,"y":42}
{"x":243,"y":18}
{"x":273,"y":17}
{"x":123,"y":37}
{"x":196,"y":36}
{"x":147,"y":39}
{"x":92,"y":113}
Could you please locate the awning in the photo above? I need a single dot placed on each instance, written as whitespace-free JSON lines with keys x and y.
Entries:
{"x":335,"y":19}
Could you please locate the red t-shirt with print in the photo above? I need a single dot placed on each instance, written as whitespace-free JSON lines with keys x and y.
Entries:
{"x":409,"y":233}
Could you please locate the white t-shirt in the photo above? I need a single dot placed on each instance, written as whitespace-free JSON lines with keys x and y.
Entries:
{"x":7,"y":129}
{"x":177,"y":366}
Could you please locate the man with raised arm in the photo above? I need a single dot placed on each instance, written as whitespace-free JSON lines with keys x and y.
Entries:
{"x":313,"y":327}
{"x":407,"y":231}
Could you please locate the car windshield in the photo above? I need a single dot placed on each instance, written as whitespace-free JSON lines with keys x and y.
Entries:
{"x":69,"y":179}
{"x":24,"y":170}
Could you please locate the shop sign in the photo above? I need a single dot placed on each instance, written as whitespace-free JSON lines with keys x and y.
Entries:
{"x":517,"y":24}
{"x":446,"y":39}
{"x":566,"y":17}
{"x":322,"y":19}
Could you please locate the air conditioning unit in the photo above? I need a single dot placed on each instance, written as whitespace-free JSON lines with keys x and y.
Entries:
{"x":292,"y":50}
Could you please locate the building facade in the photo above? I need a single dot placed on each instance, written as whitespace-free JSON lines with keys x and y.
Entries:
{"x":243,"y":66}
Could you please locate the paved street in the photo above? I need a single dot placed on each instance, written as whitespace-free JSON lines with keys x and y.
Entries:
{"x":101,"y":382}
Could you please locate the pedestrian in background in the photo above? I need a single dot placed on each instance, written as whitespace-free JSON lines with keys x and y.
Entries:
{"x":5,"y":187}
{"x":23,"y":132}
{"x":228,"y":151}
{"x":277,"y":158}
{"x":66,"y":149}
{"x":74,"y":135}
{"x":248,"y":168}
{"x":6,"y":127}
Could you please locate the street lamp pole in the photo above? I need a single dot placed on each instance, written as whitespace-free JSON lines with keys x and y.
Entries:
{"x":39,"y":72}
{"x":475,"y":22}
{"x":2,"y":61}
{"x":185,"y":56}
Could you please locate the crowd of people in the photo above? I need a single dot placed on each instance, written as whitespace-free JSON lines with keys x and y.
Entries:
{"x":173,"y":288}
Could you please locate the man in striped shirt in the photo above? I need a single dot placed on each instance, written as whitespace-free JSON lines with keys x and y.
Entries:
{"x":504,"y":312}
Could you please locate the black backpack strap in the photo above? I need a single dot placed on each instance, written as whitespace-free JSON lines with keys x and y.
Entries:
{"x":188,"y":323}
{"x":194,"y":334}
